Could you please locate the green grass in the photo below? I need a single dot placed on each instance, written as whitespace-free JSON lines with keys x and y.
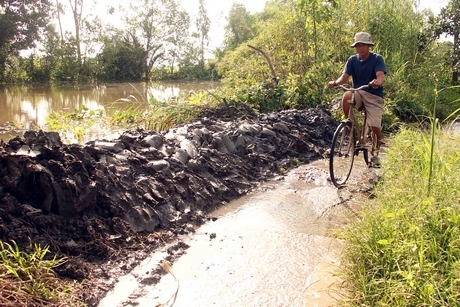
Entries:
{"x":83,"y":125}
{"x":162,"y":115}
{"x":27,"y":278}
{"x":76,"y":125}
{"x":405,"y":250}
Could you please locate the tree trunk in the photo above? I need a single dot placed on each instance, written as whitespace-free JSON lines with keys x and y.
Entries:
{"x":77,"y":21}
{"x":58,"y":5}
{"x":455,"y":57}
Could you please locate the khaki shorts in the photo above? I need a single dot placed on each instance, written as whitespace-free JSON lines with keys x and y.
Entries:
{"x":373,"y":105}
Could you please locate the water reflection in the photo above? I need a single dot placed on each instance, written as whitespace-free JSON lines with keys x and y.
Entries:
{"x":28,"y":107}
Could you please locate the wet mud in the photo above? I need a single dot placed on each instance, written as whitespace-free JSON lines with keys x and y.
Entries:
{"x":107,"y":204}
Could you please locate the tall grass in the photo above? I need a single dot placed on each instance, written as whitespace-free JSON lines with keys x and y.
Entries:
{"x":85,"y":125}
{"x":405,"y":250}
{"x":162,"y":115}
{"x":27,"y":279}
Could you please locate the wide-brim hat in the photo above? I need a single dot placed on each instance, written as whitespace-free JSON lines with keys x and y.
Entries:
{"x":363,"y":38}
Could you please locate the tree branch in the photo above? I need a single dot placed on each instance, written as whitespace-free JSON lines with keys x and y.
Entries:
{"x":274,"y":76}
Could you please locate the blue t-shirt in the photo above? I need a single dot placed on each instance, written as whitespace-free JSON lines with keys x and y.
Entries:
{"x":364,"y":72}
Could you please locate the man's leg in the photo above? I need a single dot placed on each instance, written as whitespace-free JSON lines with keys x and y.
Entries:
{"x":345,"y":103}
{"x":376,"y":140}
{"x":374,"y":111}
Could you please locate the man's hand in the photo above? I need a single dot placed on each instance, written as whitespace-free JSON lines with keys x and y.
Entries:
{"x":331,"y":84}
{"x":375,"y":83}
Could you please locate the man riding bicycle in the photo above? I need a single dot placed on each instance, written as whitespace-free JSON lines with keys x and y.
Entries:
{"x":366,"y":67}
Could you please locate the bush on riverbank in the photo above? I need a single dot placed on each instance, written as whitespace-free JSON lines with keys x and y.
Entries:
{"x":405,"y":250}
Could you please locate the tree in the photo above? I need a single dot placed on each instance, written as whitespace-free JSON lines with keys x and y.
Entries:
{"x":80,"y":41}
{"x":178,"y":43}
{"x":241,"y":27}
{"x":203,"y":23}
{"x":21,"y":24}
{"x":59,"y":11}
{"x":190,"y":51}
{"x":121,"y":59}
{"x":40,"y":68}
{"x":318,"y":14}
{"x":77,"y":8}
{"x":449,"y":23}
{"x":156,"y":24}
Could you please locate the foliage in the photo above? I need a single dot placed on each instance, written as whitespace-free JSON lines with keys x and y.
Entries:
{"x":269,"y":96}
{"x":318,"y":16}
{"x":449,"y":100}
{"x":79,"y":125}
{"x":122,"y":58}
{"x":308,"y":42}
{"x":241,"y":27}
{"x":77,"y":8}
{"x":27,"y":278}
{"x":287,"y":41}
{"x":245,"y":68}
{"x":203,"y":24}
{"x":159,"y":26}
{"x":21,"y":24}
{"x":163,"y":33}
{"x":79,"y":46}
{"x":448,"y":22}
{"x":162,"y":115}
{"x":188,"y":69}
{"x":296,"y":91}
{"x":404,"y":251}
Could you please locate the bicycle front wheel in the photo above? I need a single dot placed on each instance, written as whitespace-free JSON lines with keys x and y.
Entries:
{"x":342,"y":154}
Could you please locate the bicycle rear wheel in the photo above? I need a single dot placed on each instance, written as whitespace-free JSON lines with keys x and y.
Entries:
{"x":342,"y":154}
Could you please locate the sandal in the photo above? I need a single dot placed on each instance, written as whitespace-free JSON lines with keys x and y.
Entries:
{"x":375,"y":162}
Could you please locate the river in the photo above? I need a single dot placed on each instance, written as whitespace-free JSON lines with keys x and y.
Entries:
{"x":25,"y":107}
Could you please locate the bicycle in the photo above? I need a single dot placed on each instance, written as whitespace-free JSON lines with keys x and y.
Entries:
{"x":350,"y":138}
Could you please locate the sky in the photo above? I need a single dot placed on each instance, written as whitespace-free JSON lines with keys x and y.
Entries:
{"x":434,"y":5}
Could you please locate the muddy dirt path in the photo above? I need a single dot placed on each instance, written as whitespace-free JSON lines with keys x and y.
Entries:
{"x":275,"y":246}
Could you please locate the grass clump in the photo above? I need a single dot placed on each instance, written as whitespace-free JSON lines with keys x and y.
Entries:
{"x":28,"y":279}
{"x":405,"y":250}
{"x":75,"y":126}
{"x":82,"y":125}
{"x":162,"y":115}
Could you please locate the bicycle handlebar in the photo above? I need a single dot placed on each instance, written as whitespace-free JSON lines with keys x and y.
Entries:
{"x":350,"y":89}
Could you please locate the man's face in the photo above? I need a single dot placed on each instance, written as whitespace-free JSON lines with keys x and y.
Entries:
{"x":361,"y":49}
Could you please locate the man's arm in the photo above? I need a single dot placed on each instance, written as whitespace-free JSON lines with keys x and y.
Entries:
{"x":341,"y":80}
{"x":378,"y":81}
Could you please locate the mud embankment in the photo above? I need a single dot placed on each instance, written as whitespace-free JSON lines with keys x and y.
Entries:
{"x":96,"y":202}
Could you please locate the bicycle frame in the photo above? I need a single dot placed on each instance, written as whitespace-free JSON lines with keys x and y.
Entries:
{"x":361,"y":131}
{"x":349,"y":139}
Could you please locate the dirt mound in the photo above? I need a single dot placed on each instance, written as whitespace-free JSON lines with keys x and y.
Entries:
{"x":98,"y":201}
